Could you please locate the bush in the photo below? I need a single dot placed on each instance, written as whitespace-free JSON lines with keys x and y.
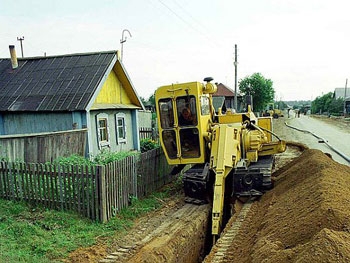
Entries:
{"x":148,"y":144}
{"x":105,"y":157}
{"x":73,"y":159}
{"x":102,"y":158}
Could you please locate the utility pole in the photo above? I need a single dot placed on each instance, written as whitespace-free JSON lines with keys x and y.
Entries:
{"x":346,"y":85}
{"x":235,"y":63}
{"x":20,"y":39}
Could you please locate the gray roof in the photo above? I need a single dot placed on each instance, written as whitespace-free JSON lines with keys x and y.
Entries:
{"x":56,"y":83}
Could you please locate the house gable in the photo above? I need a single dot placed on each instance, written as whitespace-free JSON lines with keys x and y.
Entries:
{"x":117,"y":91}
{"x":128,"y":86}
{"x":112,"y":92}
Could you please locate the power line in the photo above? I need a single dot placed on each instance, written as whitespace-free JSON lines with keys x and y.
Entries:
{"x":188,"y":24}
{"x":189,"y":14}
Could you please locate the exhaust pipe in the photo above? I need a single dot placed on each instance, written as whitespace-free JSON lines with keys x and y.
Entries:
{"x":14,"y":61}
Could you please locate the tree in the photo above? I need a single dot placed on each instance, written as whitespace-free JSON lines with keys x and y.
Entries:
{"x":260,"y":88}
{"x":337,"y":106}
{"x":281,"y":105}
{"x":327,"y":104}
{"x":149,"y":101}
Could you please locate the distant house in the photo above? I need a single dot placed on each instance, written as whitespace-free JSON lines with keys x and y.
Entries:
{"x":341,"y":93}
{"x":224,"y":98}
{"x":67,"y":92}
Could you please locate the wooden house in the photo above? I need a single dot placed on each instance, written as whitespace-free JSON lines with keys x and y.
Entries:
{"x":89,"y":91}
{"x":224,"y":98}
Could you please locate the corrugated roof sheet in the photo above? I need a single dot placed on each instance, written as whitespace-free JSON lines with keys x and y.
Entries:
{"x":57,"y":83}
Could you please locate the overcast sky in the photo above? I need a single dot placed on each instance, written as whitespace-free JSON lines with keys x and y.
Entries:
{"x":301,"y":45}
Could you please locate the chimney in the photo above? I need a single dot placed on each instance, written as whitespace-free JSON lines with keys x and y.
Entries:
{"x":14,"y":61}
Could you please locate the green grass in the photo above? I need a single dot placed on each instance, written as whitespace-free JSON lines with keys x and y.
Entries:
{"x":32,"y":234}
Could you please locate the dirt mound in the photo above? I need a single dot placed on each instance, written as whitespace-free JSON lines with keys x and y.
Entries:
{"x":305,"y":218}
{"x":89,"y":254}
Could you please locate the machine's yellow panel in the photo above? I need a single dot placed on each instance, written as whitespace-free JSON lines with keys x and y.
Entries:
{"x":266,"y":123}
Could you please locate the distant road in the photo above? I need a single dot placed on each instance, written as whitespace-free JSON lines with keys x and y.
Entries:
{"x":335,"y":136}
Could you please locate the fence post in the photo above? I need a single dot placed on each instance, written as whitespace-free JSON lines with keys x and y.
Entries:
{"x":60,"y":179}
{"x":101,"y":175}
{"x":11,"y":180}
{"x":134,"y":175}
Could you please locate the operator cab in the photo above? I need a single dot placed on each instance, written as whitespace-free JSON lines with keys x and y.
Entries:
{"x":185,"y":125}
{"x":184,"y":112}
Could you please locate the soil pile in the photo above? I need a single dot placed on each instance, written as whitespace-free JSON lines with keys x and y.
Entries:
{"x":305,"y":218}
{"x":89,"y":254}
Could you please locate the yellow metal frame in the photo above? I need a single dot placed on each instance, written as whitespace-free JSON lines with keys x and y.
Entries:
{"x":173,"y":91}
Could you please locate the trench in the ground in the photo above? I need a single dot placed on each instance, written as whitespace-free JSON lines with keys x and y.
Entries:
{"x":205,"y":247}
{"x":183,"y":238}
{"x":187,"y":238}
{"x":206,"y":244}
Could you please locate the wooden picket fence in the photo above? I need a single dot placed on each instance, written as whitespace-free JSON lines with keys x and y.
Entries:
{"x":97,"y":192}
{"x":147,"y":133}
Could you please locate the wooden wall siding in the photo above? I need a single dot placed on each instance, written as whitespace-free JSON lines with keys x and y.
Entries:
{"x":114,"y":146}
{"x":36,"y":122}
{"x":95,"y":192}
{"x":145,"y":118}
{"x":113,"y":91}
{"x":43,"y":147}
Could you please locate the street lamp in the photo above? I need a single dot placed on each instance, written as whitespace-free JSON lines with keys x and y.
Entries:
{"x":122,"y":42}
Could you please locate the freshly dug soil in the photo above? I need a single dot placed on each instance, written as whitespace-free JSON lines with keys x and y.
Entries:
{"x":88,"y":254}
{"x":181,"y":239}
{"x":177,"y":232}
{"x":305,"y":218}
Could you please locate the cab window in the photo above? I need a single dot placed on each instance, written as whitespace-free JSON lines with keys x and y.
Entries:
{"x":186,"y":111}
{"x":166,"y":113}
{"x":169,"y":140}
{"x":189,"y":141}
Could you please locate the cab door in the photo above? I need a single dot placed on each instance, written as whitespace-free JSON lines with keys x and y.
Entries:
{"x":179,"y":135}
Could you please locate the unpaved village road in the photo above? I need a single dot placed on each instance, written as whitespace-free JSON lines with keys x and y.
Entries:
{"x":336,"y":132}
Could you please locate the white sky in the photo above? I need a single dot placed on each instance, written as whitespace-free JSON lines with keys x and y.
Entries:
{"x":301,"y":45}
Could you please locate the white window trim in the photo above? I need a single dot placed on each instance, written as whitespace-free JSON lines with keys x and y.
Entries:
{"x":106,"y":143}
{"x":118,"y":116}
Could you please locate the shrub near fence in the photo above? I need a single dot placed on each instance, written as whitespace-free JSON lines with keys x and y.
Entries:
{"x":97,"y":192}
